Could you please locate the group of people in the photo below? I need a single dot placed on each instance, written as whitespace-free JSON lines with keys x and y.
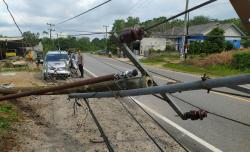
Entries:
{"x":79,"y":59}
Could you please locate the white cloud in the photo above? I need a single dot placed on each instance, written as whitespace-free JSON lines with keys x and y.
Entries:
{"x":33,"y":14}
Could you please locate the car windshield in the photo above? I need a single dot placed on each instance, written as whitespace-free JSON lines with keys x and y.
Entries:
{"x":56,"y":57}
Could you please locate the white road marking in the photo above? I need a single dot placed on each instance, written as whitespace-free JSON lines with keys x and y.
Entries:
{"x":191,"y":135}
{"x":89,"y":72}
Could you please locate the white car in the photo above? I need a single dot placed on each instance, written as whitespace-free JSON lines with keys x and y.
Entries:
{"x":56,"y":65}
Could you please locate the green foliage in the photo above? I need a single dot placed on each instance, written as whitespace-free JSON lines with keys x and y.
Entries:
{"x":216,"y":39}
{"x":195,"y":47}
{"x":246,"y":43}
{"x":31,"y":38}
{"x":214,"y":43}
{"x":197,"y":20}
{"x":118,"y":26}
{"x":83,"y":44}
{"x":241,"y":61}
{"x":228,"y":46}
{"x":48,"y":44}
{"x":7,"y":115}
{"x":169,"y":48}
{"x":132,"y":21}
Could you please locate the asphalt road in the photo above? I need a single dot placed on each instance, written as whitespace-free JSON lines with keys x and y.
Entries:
{"x":211,"y":134}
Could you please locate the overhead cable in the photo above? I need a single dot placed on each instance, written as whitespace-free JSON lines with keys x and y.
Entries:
{"x":83,"y":12}
{"x":13,"y":17}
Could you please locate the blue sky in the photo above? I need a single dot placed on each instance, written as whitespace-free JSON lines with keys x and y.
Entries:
{"x":33,"y":15}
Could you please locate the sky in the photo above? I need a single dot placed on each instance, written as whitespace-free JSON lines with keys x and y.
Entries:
{"x":32,"y":15}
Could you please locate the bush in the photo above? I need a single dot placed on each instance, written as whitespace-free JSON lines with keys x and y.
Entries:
{"x":228,"y":46}
{"x":195,"y":47}
{"x":246,"y":43}
{"x":170,"y":48}
{"x":241,"y":61}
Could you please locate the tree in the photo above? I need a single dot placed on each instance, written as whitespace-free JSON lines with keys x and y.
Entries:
{"x":200,"y":20}
{"x":215,"y":40}
{"x":132,"y":21}
{"x":31,"y":38}
{"x":118,"y":26}
{"x":99,"y":43}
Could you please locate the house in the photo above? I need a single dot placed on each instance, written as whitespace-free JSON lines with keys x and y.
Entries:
{"x":198,"y":33}
{"x":15,"y":46}
{"x":152,"y":43}
{"x":11,"y":45}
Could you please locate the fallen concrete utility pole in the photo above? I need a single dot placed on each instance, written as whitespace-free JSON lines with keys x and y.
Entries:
{"x":196,"y":85}
{"x":67,"y":86}
{"x":122,"y":84}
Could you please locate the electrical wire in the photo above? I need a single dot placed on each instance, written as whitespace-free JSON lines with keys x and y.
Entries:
{"x":97,"y":33}
{"x":153,"y":140}
{"x":180,"y":14}
{"x":106,"y":140}
{"x":83,"y":12}
{"x":212,"y":113}
{"x":245,"y":124}
{"x":7,"y":6}
{"x":133,"y":117}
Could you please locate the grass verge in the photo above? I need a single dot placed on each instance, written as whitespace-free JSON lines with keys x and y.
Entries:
{"x":215,"y":70}
{"x":218,"y":64}
{"x":17,"y":69}
{"x":8,"y":115}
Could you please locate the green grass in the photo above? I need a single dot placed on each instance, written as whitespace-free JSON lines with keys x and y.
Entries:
{"x":18,"y":69}
{"x":8,"y":115}
{"x":160,"y":58}
{"x":217,"y":70}
{"x":171,"y":61}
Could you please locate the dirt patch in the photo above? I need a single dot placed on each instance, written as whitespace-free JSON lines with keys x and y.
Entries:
{"x":47,"y":123}
{"x":22,"y":79}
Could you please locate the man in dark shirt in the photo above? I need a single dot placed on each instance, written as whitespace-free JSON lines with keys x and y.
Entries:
{"x":80,"y":62}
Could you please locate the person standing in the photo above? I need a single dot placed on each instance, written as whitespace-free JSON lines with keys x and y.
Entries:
{"x":80,"y":62}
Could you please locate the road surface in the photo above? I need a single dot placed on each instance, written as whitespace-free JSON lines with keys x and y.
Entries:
{"x":211,"y":134}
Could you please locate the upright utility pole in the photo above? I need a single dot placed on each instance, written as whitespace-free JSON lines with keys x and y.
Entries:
{"x":106,"y":36}
{"x":184,"y":41}
{"x":58,"y":44}
{"x":50,"y":29}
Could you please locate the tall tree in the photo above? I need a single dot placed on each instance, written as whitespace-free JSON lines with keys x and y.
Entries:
{"x":200,"y":20}
{"x":31,"y":38}
{"x":132,"y":21}
{"x":118,"y":26}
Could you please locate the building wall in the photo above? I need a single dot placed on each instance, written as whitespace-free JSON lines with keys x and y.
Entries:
{"x":152,"y":43}
{"x":234,"y":40}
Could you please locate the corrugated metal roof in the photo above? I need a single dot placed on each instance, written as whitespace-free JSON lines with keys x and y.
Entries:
{"x":11,"y":38}
{"x":202,"y":29}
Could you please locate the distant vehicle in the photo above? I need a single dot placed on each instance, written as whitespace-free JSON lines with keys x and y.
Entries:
{"x":10,"y":53}
{"x":55,"y":65}
{"x":102,"y":52}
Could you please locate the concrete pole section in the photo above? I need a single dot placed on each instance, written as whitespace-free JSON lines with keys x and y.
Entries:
{"x":183,"y":51}
{"x":195,"y":85}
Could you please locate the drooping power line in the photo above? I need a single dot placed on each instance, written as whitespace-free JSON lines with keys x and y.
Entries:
{"x":84,"y":12}
{"x":13,"y":17}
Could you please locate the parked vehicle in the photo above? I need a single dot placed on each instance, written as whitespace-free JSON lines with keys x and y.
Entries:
{"x":56,"y":65}
{"x":102,"y":52}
